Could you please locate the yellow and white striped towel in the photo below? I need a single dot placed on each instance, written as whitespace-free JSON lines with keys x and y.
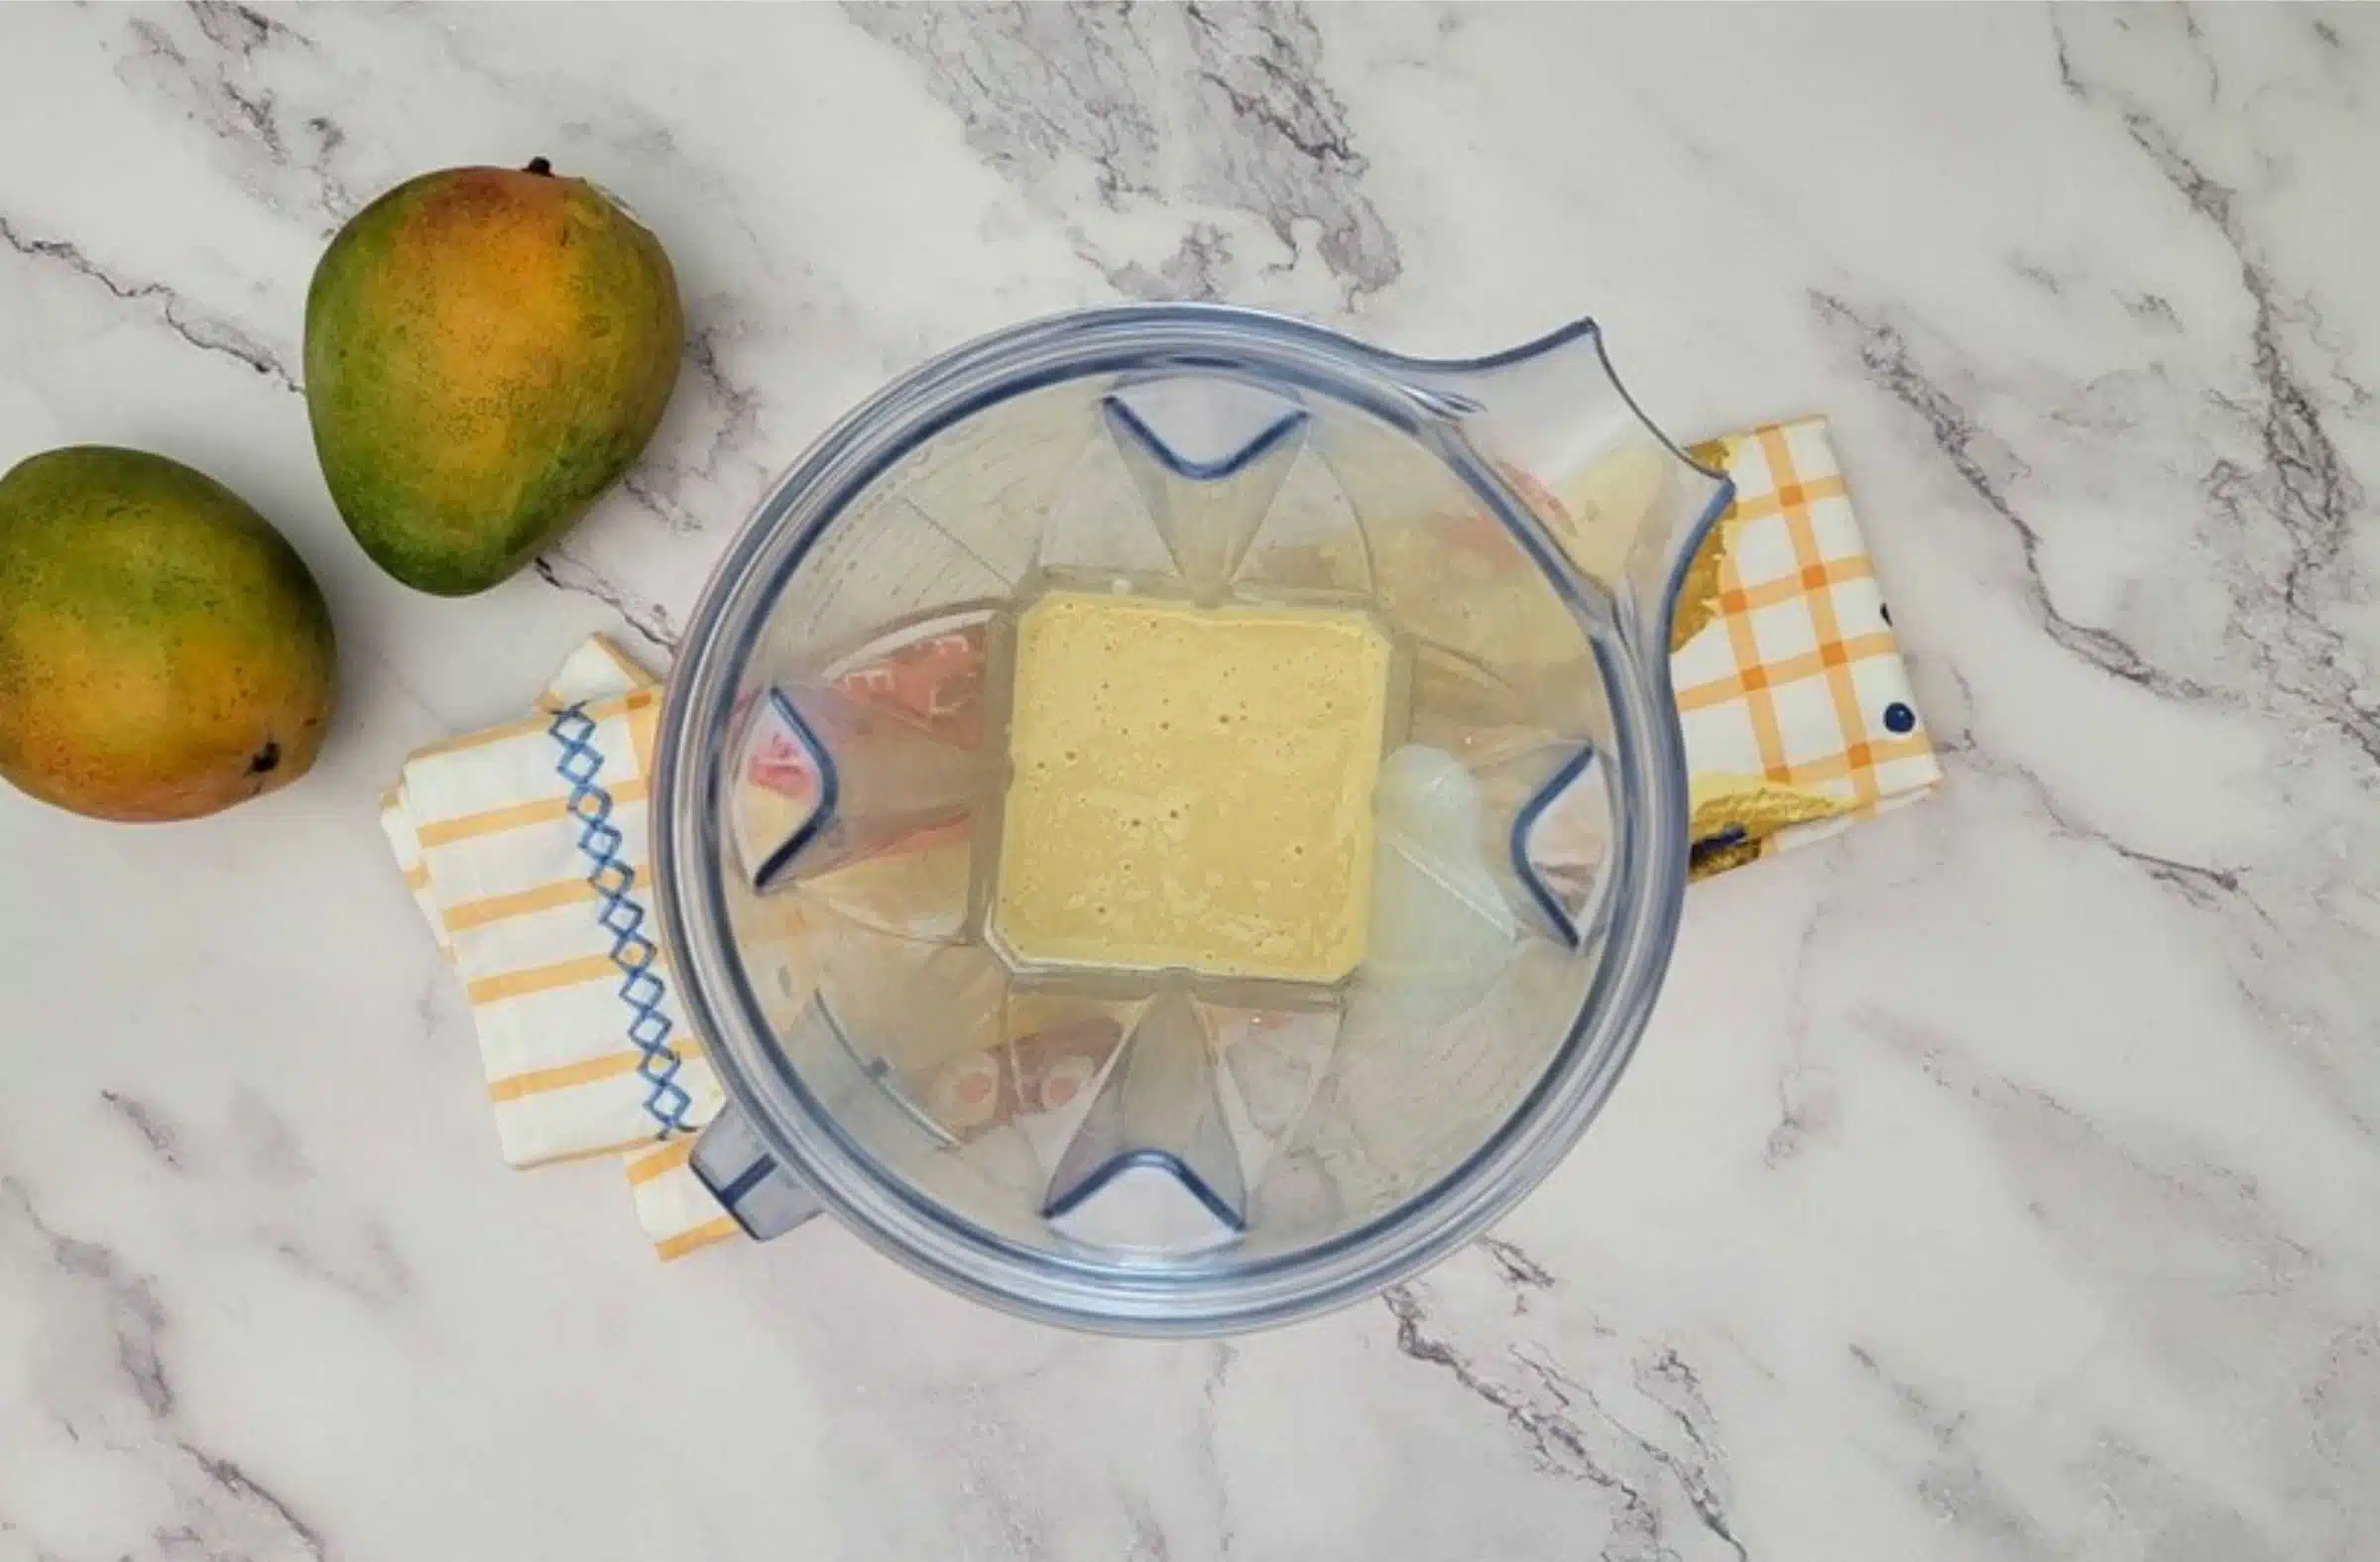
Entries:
{"x":526,"y":848}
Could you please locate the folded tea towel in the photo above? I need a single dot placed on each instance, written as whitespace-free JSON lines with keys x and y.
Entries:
{"x":1795,"y":706}
{"x":525,"y":845}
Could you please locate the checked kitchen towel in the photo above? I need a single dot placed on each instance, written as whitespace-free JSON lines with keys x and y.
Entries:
{"x":1791,"y":693}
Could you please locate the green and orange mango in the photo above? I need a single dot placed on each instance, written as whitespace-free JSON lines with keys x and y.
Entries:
{"x":164,"y":653}
{"x":487,"y":350}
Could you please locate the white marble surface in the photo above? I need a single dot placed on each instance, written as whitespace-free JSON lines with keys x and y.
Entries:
{"x":1999,"y":1182}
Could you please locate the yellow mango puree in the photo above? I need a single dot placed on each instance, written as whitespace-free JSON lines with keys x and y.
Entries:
{"x":1192,"y":787}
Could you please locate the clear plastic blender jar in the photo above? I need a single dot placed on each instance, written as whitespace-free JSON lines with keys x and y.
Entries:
{"x":1180,"y":1146}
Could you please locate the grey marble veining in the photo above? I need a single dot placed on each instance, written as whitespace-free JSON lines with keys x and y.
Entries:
{"x":1997,"y":1181}
{"x":1215,"y":115}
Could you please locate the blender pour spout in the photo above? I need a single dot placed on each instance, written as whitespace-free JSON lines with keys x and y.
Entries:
{"x":1626,"y":504}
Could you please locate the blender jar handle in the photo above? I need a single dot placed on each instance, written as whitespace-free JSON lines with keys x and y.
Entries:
{"x":765,"y":1199}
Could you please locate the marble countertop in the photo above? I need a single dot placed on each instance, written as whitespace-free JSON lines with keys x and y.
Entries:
{"x":2001,"y":1180}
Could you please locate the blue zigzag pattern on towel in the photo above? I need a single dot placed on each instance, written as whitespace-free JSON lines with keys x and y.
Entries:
{"x":614,"y":883}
